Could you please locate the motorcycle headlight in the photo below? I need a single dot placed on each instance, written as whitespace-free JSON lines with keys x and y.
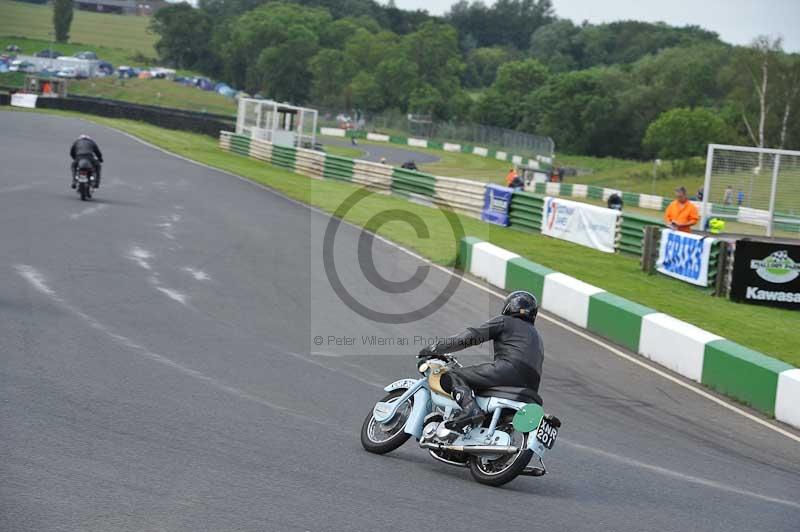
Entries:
{"x":423,"y":367}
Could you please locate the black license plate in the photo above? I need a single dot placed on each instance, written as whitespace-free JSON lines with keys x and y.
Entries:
{"x":546,"y":433}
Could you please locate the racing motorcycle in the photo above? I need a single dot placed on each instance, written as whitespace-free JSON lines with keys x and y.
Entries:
{"x":84,"y":177}
{"x":515,"y":429}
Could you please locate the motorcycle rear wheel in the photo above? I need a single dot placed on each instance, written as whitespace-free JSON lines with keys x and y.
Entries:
{"x":503,"y":469}
{"x":382,"y":439}
{"x":83,"y":188}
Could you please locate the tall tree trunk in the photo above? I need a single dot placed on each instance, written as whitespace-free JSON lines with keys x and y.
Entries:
{"x":785,"y":122}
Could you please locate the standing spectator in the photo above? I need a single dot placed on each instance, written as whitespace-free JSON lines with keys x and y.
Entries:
{"x":560,"y":175}
{"x":510,"y":176}
{"x":727,"y":199}
{"x":700,"y":192}
{"x":681,"y":214}
{"x":740,"y":197}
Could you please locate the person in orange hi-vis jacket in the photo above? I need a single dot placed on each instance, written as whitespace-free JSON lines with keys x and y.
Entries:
{"x":681,"y":214}
{"x":510,"y":176}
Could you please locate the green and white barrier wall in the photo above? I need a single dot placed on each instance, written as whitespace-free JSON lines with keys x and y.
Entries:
{"x":762,"y":382}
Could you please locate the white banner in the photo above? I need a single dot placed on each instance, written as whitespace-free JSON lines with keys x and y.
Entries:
{"x":23,"y":100}
{"x":332,"y":131}
{"x":584,"y":224}
{"x":377,"y":137}
{"x":684,"y":256}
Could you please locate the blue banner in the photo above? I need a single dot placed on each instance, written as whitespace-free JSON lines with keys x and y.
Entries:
{"x":685,"y":256}
{"x":496,"y":201}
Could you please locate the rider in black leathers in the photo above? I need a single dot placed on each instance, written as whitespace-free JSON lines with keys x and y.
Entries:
{"x":86,"y":148}
{"x":518,"y":356}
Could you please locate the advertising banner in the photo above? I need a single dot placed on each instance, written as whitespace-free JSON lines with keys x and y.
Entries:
{"x":590,"y":226}
{"x":684,"y":256}
{"x":766,"y":273}
{"x":23,"y":100}
{"x":496,"y":201}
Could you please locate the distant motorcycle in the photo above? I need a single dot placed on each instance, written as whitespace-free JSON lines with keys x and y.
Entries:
{"x":85,"y":179}
{"x":514,"y":431}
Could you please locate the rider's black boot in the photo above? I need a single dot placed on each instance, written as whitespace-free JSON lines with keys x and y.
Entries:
{"x":470,"y":411}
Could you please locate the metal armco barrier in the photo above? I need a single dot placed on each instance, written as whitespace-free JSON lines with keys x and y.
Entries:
{"x":632,"y":232}
{"x":204,"y":123}
{"x":525,"y":212}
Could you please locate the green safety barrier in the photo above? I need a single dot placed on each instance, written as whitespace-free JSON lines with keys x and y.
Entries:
{"x":525,"y":211}
{"x":339,"y":168}
{"x":539,"y":188}
{"x":411,"y":182}
{"x":435,"y":145}
{"x":630,"y":198}
{"x":240,"y":145}
{"x":594,"y":192}
{"x":565,"y":190}
{"x":284,"y":157}
{"x":632,"y":232}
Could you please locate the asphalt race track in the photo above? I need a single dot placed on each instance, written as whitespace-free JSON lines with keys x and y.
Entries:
{"x":159,"y":371}
{"x":393,"y":154}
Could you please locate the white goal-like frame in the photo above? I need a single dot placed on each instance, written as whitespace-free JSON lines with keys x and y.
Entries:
{"x":754,"y":186}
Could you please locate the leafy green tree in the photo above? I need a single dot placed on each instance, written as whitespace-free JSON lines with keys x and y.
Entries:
{"x":366,"y":92}
{"x":683,"y":133}
{"x":556,"y":46}
{"x":425,"y":100}
{"x":367,"y":49}
{"x":62,"y":19}
{"x":396,"y":78}
{"x":331,"y":72}
{"x":183,"y":34}
{"x":269,"y":48}
{"x":507,"y":22}
{"x":579,"y":111}
{"x":482,"y":64}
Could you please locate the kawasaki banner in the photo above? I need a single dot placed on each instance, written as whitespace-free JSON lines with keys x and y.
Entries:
{"x":685,"y":256}
{"x":766,"y":273}
{"x":590,"y":226}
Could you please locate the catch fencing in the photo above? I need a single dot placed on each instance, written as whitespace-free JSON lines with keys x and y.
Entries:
{"x":461,"y":195}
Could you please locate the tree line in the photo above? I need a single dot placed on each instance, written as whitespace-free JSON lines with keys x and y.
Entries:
{"x":629,"y":89}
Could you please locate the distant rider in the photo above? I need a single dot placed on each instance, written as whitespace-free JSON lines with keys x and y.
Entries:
{"x":518,"y":356}
{"x":86,"y":148}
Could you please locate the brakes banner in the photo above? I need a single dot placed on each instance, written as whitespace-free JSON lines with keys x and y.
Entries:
{"x":685,"y":256}
{"x":766,"y":273}
{"x":594,"y":227}
{"x":23,"y":100}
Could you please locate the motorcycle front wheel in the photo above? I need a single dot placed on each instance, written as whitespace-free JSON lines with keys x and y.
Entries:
{"x":503,"y":469}
{"x":383,"y":438}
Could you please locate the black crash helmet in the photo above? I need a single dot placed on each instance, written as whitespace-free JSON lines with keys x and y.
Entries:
{"x":521,"y":304}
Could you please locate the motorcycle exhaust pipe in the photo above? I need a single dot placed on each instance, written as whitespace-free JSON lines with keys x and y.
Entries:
{"x":472,"y":449}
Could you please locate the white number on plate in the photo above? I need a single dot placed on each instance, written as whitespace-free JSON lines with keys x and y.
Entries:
{"x":546,"y":433}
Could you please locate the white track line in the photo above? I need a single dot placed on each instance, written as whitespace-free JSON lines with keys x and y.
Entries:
{"x":38,"y":281}
{"x":699,"y":391}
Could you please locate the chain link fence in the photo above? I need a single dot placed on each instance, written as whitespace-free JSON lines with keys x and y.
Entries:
{"x":424,"y":127}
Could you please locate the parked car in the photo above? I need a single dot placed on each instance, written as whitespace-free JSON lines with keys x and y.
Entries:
{"x":105,"y":68}
{"x":49,"y":54}
{"x":68,"y":72}
{"x":86,"y":55}
{"x":19,"y":65}
{"x":13,"y":48}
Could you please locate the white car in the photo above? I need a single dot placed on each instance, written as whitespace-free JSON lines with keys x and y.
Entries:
{"x":67,"y":72}
{"x":19,"y":65}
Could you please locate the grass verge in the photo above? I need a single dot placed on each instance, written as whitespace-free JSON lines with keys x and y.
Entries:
{"x":127,"y":33}
{"x":748,"y":325}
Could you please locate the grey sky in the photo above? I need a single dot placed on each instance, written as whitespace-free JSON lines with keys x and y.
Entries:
{"x":736,"y":21}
